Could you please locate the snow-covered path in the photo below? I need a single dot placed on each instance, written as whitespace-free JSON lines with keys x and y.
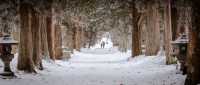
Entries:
{"x":99,"y":55}
{"x":142,"y":70}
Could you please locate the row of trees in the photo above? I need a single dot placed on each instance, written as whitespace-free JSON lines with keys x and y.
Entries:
{"x":44,"y":27}
{"x":152,"y":27}
{"x":39,"y":35}
{"x":156,"y":23}
{"x":153,"y":23}
{"x":171,"y":17}
{"x":95,"y":17}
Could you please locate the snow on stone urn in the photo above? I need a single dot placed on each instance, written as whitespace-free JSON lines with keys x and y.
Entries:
{"x":6,"y":43}
{"x":179,"y":50}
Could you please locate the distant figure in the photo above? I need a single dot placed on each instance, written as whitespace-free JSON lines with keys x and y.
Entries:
{"x":103,"y":44}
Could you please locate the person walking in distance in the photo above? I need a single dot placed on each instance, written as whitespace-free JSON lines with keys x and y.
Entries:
{"x":102,"y":44}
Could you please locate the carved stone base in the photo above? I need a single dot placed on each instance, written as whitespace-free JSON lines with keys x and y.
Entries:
{"x":7,"y":75}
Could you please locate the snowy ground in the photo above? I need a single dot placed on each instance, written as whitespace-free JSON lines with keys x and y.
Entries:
{"x":99,"y":67}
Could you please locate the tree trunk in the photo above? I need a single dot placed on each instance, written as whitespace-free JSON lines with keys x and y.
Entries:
{"x":44,"y":40}
{"x":51,"y":36}
{"x":83,"y":38}
{"x":168,"y":33}
{"x":136,"y":41}
{"x":135,"y":32}
{"x":58,"y":42}
{"x":69,"y":39}
{"x":153,"y":30}
{"x":36,"y":36}
{"x":92,"y":36}
{"x":74,"y":37}
{"x":174,"y":21}
{"x":193,"y":59}
{"x":25,"y":61}
{"x":78,"y":39}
